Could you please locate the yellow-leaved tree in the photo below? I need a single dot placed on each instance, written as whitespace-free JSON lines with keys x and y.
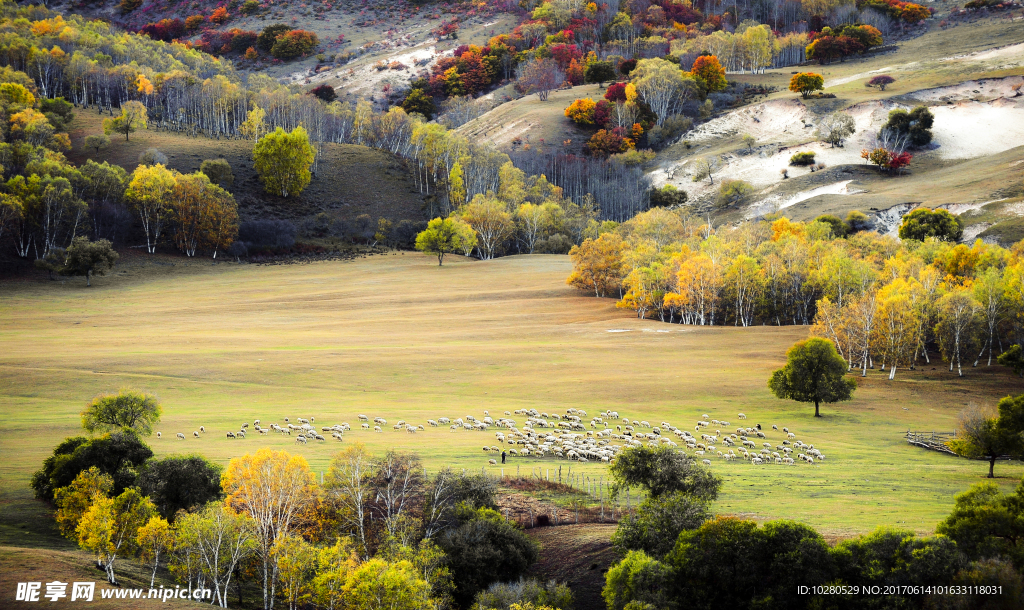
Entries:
{"x":283,"y":160}
{"x":132,"y":118}
{"x":154,"y":540}
{"x":110,"y":527}
{"x":149,"y":195}
{"x":271,"y":487}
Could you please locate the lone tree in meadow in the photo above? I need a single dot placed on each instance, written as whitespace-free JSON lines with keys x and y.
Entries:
{"x":806,"y":82}
{"x":88,"y":258}
{"x":97,"y":142}
{"x":126,"y":410}
{"x":988,"y":436}
{"x":814,"y":372}
{"x":132,"y":118}
{"x":881,"y":81}
{"x":283,"y":161}
{"x":445,"y":235}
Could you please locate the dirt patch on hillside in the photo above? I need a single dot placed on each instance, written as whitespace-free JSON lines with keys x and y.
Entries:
{"x":578,"y":555}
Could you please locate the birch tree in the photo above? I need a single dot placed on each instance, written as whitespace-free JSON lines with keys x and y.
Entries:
{"x":272,"y":487}
{"x":149,"y":195}
{"x":348,"y":481}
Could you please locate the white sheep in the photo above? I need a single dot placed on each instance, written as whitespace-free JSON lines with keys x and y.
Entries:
{"x":203,"y":429}
{"x":365,"y":426}
{"x":741,"y":416}
{"x":706,"y":462}
{"x":181,"y":436}
{"x":360,"y":416}
{"x":492,"y":462}
{"x":300,"y":439}
{"x":231,"y":435}
{"x":195,"y":434}
{"x":159,"y":434}
{"x":376,"y":428}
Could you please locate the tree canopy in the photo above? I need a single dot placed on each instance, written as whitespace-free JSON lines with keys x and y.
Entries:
{"x":128,"y":409}
{"x":814,"y":372}
{"x":922,"y":223}
{"x":283,"y":160}
{"x":444,"y":236}
{"x":663,"y":470}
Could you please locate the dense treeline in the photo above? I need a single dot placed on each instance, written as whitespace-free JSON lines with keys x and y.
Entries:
{"x":879,"y":299}
{"x":678,"y":554}
{"x":375,"y":526}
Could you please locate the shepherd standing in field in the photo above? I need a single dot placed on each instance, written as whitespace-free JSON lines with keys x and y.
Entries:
{"x":502,"y":457}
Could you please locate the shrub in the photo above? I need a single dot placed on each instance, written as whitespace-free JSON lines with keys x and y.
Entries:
{"x":262,"y":234}
{"x":554,"y":244}
{"x":915,"y":125}
{"x":251,"y":53}
{"x":604,"y":143}
{"x":502,"y":596}
{"x":657,"y":523}
{"x":838,"y":227}
{"x":97,"y":142}
{"x":218,"y":171}
{"x":249,"y":7}
{"x":242,"y":39}
{"x":581,"y":111}
{"x":673,"y":127}
{"x":265,"y":41}
{"x":666,"y":196}
{"x":293,"y":44}
{"x":922,"y":223}
{"x":219,"y":16}
{"x":732,"y":192}
{"x":324,"y":92}
{"x":627,"y":66}
{"x":802,"y":158}
{"x":709,"y":73}
{"x":600,"y":72}
{"x":194,"y":22}
{"x":128,"y":6}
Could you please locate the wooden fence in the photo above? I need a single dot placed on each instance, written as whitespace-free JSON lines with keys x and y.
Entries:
{"x":936,"y":441}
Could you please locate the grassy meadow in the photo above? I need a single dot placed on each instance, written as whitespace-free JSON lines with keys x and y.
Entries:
{"x":398,"y":337}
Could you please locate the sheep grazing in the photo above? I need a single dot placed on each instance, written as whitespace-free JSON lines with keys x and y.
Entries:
{"x":202,"y":429}
{"x":741,"y":416}
{"x":433,"y":423}
{"x":487,"y":448}
{"x":286,"y":420}
{"x":774,"y":427}
{"x":363,"y":417}
{"x":706,"y":462}
{"x":303,"y":420}
{"x":791,"y":435}
{"x":231,"y":435}
{"x":312,"y":420}
{"x":195,"y":434}
{"x":181,"y":436}
{"x":241,"y":434}
{"x":300,"y":439}
{"x":365,"y":426}
{"x":492,"y":462}
{"x":245,"y":425}
{"x":159,"y":434}
{"x":785,"y":429}
{"x":256,"y":422}
{"x":376,"y":429}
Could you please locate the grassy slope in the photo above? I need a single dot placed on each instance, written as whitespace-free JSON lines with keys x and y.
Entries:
{"x":398,"y":337}
{"x":351,"y":179}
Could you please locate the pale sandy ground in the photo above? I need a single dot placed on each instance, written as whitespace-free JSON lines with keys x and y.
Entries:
{"x":965,"y":129}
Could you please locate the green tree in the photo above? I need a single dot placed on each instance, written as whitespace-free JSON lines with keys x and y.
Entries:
{"x":180,"y":482}
{"x":72,"y":501}
{"x":599,"y":72}
{"x":97,"y":142}
{"x":982,"y":434}
{"x":923,"y":223}
{"x":218,"y":171}
{"x":986,"y":523}
{"x":283,"y":161}
{"x":456,"y":186}
{"x":1013,"y":358}
{"x":814,"y":372}
{"x":484,"y":549}
{"x":662,"y":470}
{"x":445,"y":235}
{"x":915,"y":125}
{"x":379,"y":585}
{"x":733,"y":192}
{"x":126,"y":410}
{"x":118,"y":455}
{"x":87,"y":258}
{"x":838,"y":227}
{"x":657,"y":522}
{"x":418,"y":101}
{"x":667,"y":196}
{"x":638,"y":578}
{"x":503,"y":595}
{"x":132,"y":118}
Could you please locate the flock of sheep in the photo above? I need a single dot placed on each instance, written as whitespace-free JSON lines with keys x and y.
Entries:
{"x":568,"y":436}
